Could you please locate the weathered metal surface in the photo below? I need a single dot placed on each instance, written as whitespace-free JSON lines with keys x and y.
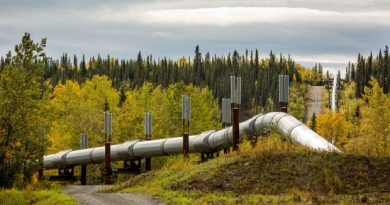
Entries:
{"x":284,"y":82}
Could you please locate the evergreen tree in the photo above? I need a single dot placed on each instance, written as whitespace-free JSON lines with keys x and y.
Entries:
{"x":348,"y":72}
{"x":313,"y":122}
{"x":371,"y":67}
{"x":2,"y":63}
{"x":197,"y":65}
{"x":122,"y":96}
{"x":83,"y":68}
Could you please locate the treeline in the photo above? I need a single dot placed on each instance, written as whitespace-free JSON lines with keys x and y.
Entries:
{"x":260,"y":76}
{"x":365,"y":67}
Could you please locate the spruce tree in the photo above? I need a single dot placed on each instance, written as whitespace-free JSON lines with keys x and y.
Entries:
{"x":313,"y":122}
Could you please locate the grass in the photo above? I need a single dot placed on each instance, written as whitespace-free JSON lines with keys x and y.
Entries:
{"x":271,"y":172}
{"x":38,"y":197}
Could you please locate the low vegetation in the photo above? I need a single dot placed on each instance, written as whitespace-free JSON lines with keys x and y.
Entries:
{"x":49,"y":196}
{"x":271,"y":172}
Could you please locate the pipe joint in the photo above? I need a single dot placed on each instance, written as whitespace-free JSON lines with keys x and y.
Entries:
{"x":253,"y":122}
{"x":126,"y":151}
{"x":162,"y":147}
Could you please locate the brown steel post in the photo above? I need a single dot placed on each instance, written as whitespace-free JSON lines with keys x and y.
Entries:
{"x":40,"y":174}
{"x":186,"y":144}
{"x":148,"y":160}
{"x":107,"y":163}
{"x":84,"y":174}
{"x":283,"y":107}
{"x":236,"y":129}
{"x":186,"y":148}
{"x":84,"y":145}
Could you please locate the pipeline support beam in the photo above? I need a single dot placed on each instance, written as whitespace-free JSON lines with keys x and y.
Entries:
{"x":107,"y":163}
{"x":236,"y":128}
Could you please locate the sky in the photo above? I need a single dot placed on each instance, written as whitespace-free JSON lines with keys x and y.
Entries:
{"x":331,"y":32}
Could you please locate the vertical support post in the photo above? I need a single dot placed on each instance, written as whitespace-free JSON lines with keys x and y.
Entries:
{"x":283,"y":107}
{"x":236,"y":128}
{"x":84,"y":145}
{"x":235,"y":89}
{"x":284,"y":82}
{"x":186,"y":117}
{"x":186,"y":145}
{"x":148,"y":136}
{"x":40,"y":174}
{"x":84,"y":174}
{"x":107,"y":146}
{"x":107,"y":163}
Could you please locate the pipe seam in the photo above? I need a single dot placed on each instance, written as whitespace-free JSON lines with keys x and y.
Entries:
{"x":277,"y":122}
{"x":262,"y":122}
{"x":207,"y":140}
{"x":90,"y":155}
{"x":288,"y":134}
{"x":63,"y":158}
{"x":272,"y":119}
{"x":253,"y":122}
{"x":162,"y":147}
{"x":131,"y":149}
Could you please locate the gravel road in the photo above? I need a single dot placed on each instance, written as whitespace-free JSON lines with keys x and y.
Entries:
{"x":90,"y":195}
{"x":314,"y":100}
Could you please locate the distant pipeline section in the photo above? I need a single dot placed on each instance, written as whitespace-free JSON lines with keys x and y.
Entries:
{"x":206,"y":142}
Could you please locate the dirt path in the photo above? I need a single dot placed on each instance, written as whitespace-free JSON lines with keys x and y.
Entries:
{"x":314,"y":100}
{"x":90,"y":195}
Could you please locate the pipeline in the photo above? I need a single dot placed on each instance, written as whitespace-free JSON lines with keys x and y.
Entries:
{"x":334,"y":89}
{"x":206,"y":142}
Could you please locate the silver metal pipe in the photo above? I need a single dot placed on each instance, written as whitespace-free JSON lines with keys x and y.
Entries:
{"x":209,"y":141}
{"x":334,"y":93}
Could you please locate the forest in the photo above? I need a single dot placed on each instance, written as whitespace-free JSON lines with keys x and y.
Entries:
{"x":211,"y":71}
{"x":47,"y":103}
{"x":367,"y":67}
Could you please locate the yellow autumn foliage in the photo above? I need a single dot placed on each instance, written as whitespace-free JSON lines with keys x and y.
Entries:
{"x":333,"y":126}
{"x":374,"y":125}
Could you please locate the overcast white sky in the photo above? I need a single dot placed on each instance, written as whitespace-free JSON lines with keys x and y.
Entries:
{"x":332,"y":32}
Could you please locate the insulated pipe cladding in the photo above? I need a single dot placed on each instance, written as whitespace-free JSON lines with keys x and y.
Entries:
{"x":208,"y":141}
{"x":334,"y":93}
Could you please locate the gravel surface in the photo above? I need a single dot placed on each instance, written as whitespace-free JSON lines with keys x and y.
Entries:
{"x":314,"y":101}
{"x":92,"y":195}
